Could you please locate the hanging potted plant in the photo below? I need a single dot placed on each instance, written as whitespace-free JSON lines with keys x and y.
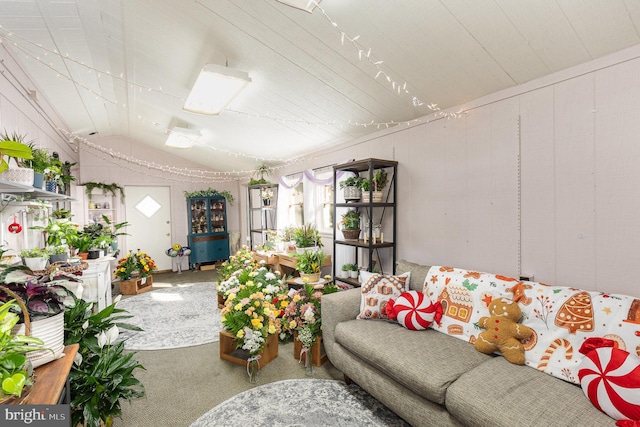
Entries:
{"x":351,"y":188}
{"x":350,"y":224}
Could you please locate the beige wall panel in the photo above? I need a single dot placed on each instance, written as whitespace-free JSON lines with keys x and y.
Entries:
{"x":574,"y":172}
{"x":617,"y":193}
{"x":537,"y":171}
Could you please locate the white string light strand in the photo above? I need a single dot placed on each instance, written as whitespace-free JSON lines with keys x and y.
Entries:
{"x":102,"y":73}
{"x":366,"y":54}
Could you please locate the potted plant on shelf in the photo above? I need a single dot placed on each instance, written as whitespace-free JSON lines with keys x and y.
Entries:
{"x":260,"y":171}
{"x":353,"y":273}
{"x":36,"y":259}
{"x":309,"y":265}
{"x":40,"y":160}
{"x":53,"y":175}
{"x":377,"y":185}
{"x":13,"y":147}
{"x":351,"y":188}
{"x":82,"y":243}
{"x":58,"y":254}
{"x":351,"y":224}
{"x":307,"y":237}
{"x":346,"y":268}
{"x":114,"y":230}
{"x":61,"y":215}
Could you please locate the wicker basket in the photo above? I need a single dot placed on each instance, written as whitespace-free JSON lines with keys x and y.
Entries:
{"x":351,"y":234}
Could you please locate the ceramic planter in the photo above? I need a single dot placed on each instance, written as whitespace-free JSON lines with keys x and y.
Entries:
{"x":49,"y":330}
{"x":36,"y":264}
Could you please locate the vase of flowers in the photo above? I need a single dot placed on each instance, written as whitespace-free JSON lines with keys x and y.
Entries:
{"x":134,"y":271}
{"x":267,"y":196}
{"x":251,"y":314}
{"x":302,"y":318}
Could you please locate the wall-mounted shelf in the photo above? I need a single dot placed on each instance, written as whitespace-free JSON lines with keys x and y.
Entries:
{"x":26,"y":191}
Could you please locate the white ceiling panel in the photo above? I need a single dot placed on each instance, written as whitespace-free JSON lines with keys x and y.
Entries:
{"x":125,"y":66}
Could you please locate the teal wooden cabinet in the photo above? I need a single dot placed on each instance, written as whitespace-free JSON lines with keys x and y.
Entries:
{"x":208,"y":234}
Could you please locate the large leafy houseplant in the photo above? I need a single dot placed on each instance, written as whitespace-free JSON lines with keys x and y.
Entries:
{"x":310,"y":262}
{"x":307,"y":236}
{"x":12,"y":146}
{"x":102,"y":374}
{"x":15,"y":369}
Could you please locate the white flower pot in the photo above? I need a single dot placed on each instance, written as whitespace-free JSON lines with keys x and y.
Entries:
{"x":36,"y":264}
{"x":346,"y":274}
{"x":49,"y":330}
{"x":353,"y":274}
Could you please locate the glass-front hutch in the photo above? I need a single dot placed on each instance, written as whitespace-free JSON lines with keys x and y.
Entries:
{"x":208,"y":234}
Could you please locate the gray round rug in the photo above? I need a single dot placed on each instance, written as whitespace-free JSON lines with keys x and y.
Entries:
{"x":184,"y":315}
{"x":306,"y":402}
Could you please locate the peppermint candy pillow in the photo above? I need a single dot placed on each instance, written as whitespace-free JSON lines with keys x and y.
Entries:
{"x":610,"y":378}
{"x":414,"y":310}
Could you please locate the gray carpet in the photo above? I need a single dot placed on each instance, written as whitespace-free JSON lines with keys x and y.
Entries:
{"x":301,"y":402}
{"x":179,"y":316}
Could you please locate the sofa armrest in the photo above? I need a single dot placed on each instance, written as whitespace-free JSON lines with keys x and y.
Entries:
{"x":336,"y":308}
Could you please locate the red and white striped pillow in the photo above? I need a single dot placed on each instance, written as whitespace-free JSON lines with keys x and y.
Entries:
{"x":414,"y":310}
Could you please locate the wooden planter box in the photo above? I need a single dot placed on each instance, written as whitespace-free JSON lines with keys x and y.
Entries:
{"x":136,"y":286}
{"x":318,"y":355}
{"x":228,"y":350}
{"x":220,"y":301}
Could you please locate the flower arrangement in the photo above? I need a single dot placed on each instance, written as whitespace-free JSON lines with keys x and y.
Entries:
{"x":267,"y":194}
{"x":243,"y":259}
{"x":139,"y":262}
{"x":253,"y":307}
{"x":302,"y":314}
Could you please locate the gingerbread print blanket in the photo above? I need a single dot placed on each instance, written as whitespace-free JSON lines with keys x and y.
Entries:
{"x":561,"y":317}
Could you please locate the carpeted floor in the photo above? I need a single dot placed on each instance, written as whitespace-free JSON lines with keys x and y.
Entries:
{"x":183,"y":315}
{"x":183,"y":384}
{"x":305,"y":402}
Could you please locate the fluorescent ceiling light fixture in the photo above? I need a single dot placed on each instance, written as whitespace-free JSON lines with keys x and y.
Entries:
{"x":214,"y":89}
{"x":182,"y":137}
{"x":307,"y":5}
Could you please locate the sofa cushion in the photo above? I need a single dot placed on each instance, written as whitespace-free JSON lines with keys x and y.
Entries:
{"x":377,"y":290}
{"x":561,"y":317}
{"x":425,"y":361}
{"x":418,"y":273}
{"x":489,"y":394}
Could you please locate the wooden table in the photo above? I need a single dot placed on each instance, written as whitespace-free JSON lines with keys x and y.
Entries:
{"x":285,"y":263}
{"x":51,"y":386}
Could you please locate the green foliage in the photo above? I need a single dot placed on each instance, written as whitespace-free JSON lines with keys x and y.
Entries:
{"x":352,"y":181}
{"x":13,"y":147}
{"x":351,"y":220}
{"x":61,"y":214}
{"x":210,"y":192}
{"x":34,"y":253}
{"x":307,"y":236}
{"x":105,"y":374}
{"x":106,"y":188}
{"x":40,"y":161}
{"x":58,"y":233}
{"x":15,"y":371}
{"x":310,"y":261}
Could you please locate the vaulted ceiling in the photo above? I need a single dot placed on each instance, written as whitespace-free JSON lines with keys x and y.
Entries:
{"x":125,"y":67}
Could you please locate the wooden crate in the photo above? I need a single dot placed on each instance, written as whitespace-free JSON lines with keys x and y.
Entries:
{"x":318,"y":355}
{"x":220,"y":301}
{"x":228,"y":350}
{"x":136,"y":286}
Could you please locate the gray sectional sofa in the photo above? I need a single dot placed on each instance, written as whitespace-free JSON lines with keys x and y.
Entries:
{"x":432,"y":379}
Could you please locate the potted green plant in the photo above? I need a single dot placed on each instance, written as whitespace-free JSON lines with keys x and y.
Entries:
{"x":40,"y":160}
{"x":58,"y":254}
{"x":53,"y":175}
{"x":351,"y":188}
{"x":36,"y":259}
{"x":351,"y":224}
{"x":260,"y":171}
{"x":353,"y":273}
{"x":309,"y":264}
{"x":346,"y":268}
{"x":376,"y":185}
{"x":13,"y":147}
{"x":105,"y":373}
{"x":114,"y":230}
{"x":57,"y":233}
{"x":82,"y":243}
{"x":16,"y":371}
{"x":307,"y":236}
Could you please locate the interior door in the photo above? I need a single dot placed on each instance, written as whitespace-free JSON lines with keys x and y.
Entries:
{"x":148,"y":211}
